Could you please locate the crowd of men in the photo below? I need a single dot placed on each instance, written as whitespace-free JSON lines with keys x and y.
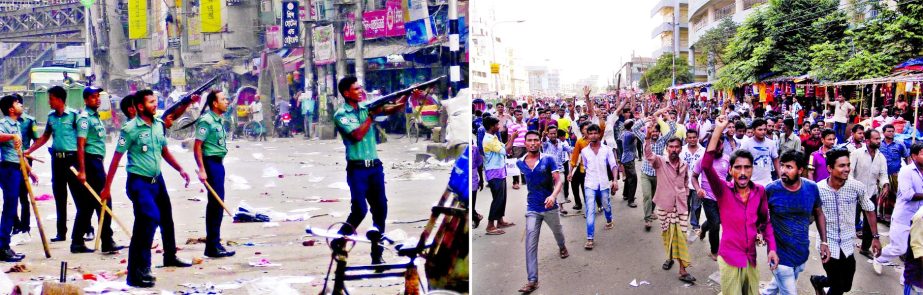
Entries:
{"x":762,"y":174}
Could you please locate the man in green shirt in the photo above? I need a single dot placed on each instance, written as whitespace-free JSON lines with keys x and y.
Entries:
{"x":307,"y":112}
{"x":364,"y":173}
{"x":10,"y":174}
{"x":145,"y":141}
{"x":21,"y":223}
{"x":209,"y":149}
{"x":91,"y":150}
{"x":62,"y":128}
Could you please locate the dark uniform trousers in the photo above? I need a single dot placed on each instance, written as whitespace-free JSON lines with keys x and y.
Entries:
{"x":61,"y":178}
{"x":23,"y":221}
{"x":367,"y":185}
{"x":214,"y":168}
{"x":10,"y":182}
{"x":96,"y":177}
{"x":152,"y":208}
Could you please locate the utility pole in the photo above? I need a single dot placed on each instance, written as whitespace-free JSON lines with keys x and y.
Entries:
{"x":360,"y":42}
{"x":454,"y":68}
{"x":340,"y":44}
{"x":308,"y":54}
{"x":88,"y":45}
{"x":675,"y":38}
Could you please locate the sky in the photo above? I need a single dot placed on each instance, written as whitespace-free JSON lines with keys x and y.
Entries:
{"x":579,"y":37}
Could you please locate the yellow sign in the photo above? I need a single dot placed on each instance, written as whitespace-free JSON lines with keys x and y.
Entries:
{"x":137,"y":19}
{"x":178,"y":76}
{"x":494,"y":68}
{"x":15,"y":88}
{"x":210,"y":11}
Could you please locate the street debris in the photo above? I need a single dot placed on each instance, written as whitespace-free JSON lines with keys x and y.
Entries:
{"x":44,"y":197}
{"x":271,"y":172}
{"x":258,"y":156}
{"x":19,"y":267}
{"x":238,"y":183}
{"x":261,"y":262}
{"x":339,"y":185}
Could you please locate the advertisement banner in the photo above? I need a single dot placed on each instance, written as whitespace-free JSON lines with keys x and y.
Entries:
{"x":210,"y":12}
{"x":274,"y":37}
{"x":417,"y":22}
{"x":388,"y":22}
{"x":324,"y":51}
{"x":178,"y":76}
{"x":291,"y":26}
{"x":137,"y":19}
{"x":303,"y":15}
{"x":158,"y":45}
{"x":195,"y":31}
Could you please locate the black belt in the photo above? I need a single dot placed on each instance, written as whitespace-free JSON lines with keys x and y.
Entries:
{"x":6,"y":164}
{"x":352,"y":164}
{"x":93,"y":156}
{"x":151,"y":180}
{"x":214,"y":158}
{"x":62,"y":155}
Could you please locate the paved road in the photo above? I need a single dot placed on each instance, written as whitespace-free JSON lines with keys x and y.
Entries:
{"x":309,"y":169}
{"x":622,"y":254}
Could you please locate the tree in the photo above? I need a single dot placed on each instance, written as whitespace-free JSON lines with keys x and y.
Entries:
{"x":776,"y":40}
{"x":714,"y":40}
{"x":660,"y":76}
{"x":874,"y":46}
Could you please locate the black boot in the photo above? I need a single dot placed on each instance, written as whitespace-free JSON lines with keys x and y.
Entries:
{"x":218,"y":251}
{"x":175,"y":262}
{"x":81,"y":249}
{"x":111,"y":248}
{"x":140,"y":279}
{"x":378,"y":261}
{"x":8,"y":255}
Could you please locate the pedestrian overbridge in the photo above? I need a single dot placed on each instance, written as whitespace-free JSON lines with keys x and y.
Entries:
{"x":55,"y":23}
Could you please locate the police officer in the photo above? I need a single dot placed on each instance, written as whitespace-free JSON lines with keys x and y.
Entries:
{"x":364,"y":173}
{"x":21,"y":223}
{"x":11,"y":179}
{"x":62,"y":127}
{"x":91,"y":150}
{"x":210,"y":149}
{"x":144,"y":140}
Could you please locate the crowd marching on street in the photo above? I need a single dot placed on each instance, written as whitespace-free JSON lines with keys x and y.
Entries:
{"x":745,"y":176}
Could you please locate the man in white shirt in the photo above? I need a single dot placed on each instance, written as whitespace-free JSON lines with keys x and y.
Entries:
{"x":868,"y":166}
{"x":841,"y":111}
{"x":691,"y":154}
{"x":597,"y":159}
{"x":765,"y":153}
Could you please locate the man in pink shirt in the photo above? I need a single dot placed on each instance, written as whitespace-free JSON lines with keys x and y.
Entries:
{"x":744,"y":211}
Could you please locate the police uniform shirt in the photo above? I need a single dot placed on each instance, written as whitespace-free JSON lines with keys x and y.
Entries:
{"x":7,"y":150}
{"x":29,"y":130}
{"x":210,"y":130}
{"x":64,"y":130}
{"x":91,"y":128}
{"x":348,"y":119}
{"x":143,"y":143}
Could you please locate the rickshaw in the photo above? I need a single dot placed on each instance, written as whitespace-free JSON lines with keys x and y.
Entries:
{"x":438,"y":260}
{"x":423,"y":120}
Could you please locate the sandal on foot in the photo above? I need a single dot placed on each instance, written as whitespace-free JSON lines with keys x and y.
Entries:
{"x":477,"y":220}
{"x":529,"y":287}
{"x":667,"y":265}
{"x":610,"y":225}
{"x":505,"y":224}
{"x":564,"y":254}
{"x":687,"y":278}
{"x":495,"y":232}
{"x":589,"y":245}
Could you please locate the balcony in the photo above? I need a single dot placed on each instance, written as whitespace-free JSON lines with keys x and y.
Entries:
{"x":665,"y":4}
{"x":667,"y":49}
{"x":667,"y":27}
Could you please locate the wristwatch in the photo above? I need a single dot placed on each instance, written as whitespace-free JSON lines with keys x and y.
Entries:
{"x":875,"y":236}
{"x":824,"y":243}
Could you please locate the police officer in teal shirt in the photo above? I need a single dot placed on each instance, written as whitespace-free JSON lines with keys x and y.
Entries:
{"x":11,"y":179}
{"x":91,"y":150}
{"x":145,"y":141}
{"x":21,"y":223}
{"x":209,"y":149}
{"x":62,"y":128}
{"x":364,"y":173}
